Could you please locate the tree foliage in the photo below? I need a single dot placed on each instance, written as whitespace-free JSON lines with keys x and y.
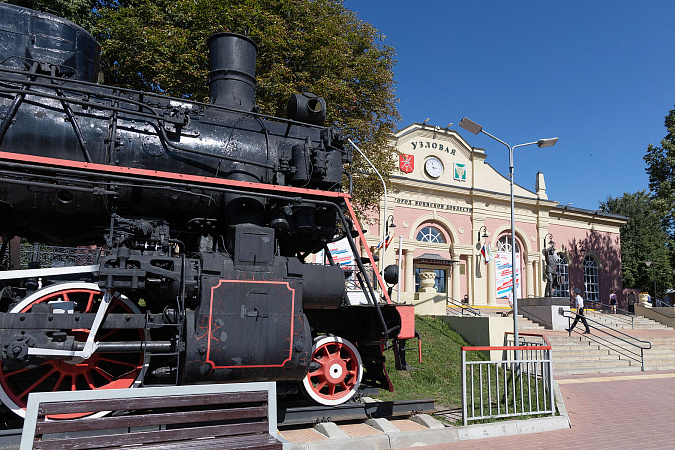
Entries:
{"x":643,"y":237}
{"x":661,"y":171}
{"x":319,"y":45}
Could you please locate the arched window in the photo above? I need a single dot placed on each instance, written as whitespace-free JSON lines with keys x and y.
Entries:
{"x":504,"y":244}
{"x":431,"y":234}
{"x":563,"y":272}
{"x":591,"y":287}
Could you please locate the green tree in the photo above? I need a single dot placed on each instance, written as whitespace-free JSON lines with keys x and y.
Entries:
{"x":644,"y":237}
{"x":320,"y":46}
{"x":661,"y":171}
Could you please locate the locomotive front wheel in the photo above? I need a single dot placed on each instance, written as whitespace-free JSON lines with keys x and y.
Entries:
{"x":100,"y":371}
{"x":335,"y":371}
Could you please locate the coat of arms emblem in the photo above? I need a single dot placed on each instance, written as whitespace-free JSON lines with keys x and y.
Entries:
{"x":406,"y":163}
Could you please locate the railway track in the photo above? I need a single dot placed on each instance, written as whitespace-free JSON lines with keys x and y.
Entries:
{"x":351,"y":411}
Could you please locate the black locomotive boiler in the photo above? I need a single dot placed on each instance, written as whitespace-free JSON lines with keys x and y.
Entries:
{"x":205,"y":216}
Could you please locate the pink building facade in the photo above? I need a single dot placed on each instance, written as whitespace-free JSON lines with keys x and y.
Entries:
{"x":450,"y":207}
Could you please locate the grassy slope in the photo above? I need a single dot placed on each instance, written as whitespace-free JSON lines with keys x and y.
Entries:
{"x":438,"y":376}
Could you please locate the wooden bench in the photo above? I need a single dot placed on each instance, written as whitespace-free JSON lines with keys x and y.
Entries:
{"x":214,"y":416}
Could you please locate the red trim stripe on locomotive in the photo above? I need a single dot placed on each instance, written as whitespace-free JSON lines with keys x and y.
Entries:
{"x":94,"y":167}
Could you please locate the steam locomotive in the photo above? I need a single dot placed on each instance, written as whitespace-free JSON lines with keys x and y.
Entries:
{"x":206,"y":215}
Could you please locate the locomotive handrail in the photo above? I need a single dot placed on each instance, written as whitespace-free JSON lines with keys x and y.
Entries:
{"x":148,"y":94}
{"x":157,"y":117}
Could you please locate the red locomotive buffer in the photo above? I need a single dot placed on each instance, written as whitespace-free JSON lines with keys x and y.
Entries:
{"x":208,"y":214}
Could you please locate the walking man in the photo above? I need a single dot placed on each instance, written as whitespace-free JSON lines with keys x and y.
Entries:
{"x":579,"y":301}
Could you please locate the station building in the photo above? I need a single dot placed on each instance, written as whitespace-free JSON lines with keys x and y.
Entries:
{"x":449,"y":207}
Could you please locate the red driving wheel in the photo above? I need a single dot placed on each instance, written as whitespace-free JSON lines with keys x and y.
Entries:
{"x":100,"y":371}
{"x":335,"y":372}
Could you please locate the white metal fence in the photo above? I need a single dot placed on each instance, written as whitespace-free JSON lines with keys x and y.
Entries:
{"x":519,"y":384}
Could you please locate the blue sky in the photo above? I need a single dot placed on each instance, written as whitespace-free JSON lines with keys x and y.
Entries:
{"x":597,"y":74}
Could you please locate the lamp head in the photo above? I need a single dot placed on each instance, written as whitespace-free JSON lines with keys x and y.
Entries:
{"x":470,"y":126}
{"x":541,"y":143}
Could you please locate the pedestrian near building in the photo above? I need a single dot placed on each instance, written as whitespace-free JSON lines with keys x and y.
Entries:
{"x":631,"y":303}
{"x":612,"y":302}
{"x":579,"y":303}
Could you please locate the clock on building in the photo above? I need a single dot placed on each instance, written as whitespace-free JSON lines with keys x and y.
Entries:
{"x":433,"y":167}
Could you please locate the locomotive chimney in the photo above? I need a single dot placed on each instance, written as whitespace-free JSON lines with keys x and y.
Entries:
{"x":232,"y":71}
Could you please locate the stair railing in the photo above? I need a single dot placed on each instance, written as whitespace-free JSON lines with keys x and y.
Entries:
{"x":466,"y":309}
{"x":629,"y":352}
{"x":621,"y":314}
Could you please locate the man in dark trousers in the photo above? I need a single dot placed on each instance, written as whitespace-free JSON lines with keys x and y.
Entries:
{"x":579,"y":301}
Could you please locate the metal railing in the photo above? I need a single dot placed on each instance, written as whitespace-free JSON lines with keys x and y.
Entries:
{"x":662,"y":304}
{"x":519,"y":384}
{"x":632,"y":343}
{"x":54,"y":256}
{"x":466,"y":309}
{"x":621,"y":314}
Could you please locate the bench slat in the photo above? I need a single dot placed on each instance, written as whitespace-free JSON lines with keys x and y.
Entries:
{"x":261,"y":441}
{"x":133,"y":420}
{"x":169,"y":401}
{"x":147,"y":437}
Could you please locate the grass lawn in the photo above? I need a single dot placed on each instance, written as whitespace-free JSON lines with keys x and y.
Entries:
{"x":438,"y":377}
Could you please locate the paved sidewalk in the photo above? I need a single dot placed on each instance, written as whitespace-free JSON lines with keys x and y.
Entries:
{"x":614,"y":412}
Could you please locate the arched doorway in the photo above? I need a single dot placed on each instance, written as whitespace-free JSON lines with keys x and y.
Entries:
{"x":432,"y":260}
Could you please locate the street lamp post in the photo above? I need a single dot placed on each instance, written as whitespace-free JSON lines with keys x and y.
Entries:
{"x":652,"y":263}
{"x":474,"y":128}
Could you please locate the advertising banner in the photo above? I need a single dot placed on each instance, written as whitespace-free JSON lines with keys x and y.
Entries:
{"x":504,"y":275}
{"x":341,"y":253}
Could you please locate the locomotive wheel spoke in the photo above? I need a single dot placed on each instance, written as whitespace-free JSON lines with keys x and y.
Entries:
{"x":37,"y":383}
{"x":118,"y":362}
{"x":58,"y":383}
{"x":339,"y":374}
{"x":97,"y":372}
{"x":104,"y":374}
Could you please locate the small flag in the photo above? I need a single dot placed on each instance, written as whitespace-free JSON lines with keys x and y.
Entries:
{"x":388,"y":241}
{"x":487,"y":253}
{"x":383,"y":242}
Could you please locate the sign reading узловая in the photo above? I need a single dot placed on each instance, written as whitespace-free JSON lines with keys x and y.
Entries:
{"x":432,"y":145}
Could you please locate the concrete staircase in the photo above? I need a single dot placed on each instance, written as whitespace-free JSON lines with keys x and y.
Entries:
{"x":662,"y":354}
{"x":578,"y":355}
{"x":621,"y":322}
{"x":525,"y":324}
{"x":600,"y":353}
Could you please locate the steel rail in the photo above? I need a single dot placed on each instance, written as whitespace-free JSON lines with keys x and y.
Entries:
{"x":351,"y":411}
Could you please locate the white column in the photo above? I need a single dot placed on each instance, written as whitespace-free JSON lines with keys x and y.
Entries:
{"x":491,"y":284}
{"x":469,"y":279}
{"x":456,"y":281}
{"x":537,"y":279}
{"x":409,"y":285}
{"x":529,"y":282}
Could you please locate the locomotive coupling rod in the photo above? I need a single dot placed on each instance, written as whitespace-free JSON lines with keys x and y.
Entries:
{"x":129,"y":347}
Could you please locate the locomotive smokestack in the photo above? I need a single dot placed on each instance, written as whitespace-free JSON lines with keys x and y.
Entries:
{"x":232,"y":71}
